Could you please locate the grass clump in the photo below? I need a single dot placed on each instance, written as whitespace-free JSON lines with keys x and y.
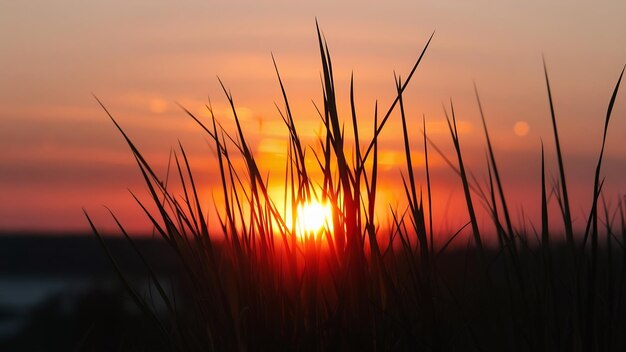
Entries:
{"x":356,"y":286}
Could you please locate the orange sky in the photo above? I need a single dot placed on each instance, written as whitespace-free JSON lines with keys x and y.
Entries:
{"x":59,"y":152}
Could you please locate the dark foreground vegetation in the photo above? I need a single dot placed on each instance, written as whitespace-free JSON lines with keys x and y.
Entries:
{"x":472,"y":313}
{"x":259,"y":285}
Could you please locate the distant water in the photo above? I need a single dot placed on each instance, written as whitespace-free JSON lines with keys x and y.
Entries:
{"x":20,"y":295}
{"x":58,"y":270}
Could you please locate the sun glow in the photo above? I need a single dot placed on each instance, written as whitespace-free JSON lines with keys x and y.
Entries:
{"x":312,"y":217}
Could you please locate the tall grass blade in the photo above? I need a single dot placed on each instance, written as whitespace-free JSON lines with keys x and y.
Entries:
{"x":591,"y":293}
{"x":567,"y":217}
{"x":466,"y":188}
{"x":492,"y":159}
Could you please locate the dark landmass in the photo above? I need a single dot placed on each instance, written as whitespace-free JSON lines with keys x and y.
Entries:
{"x":33,"y":254}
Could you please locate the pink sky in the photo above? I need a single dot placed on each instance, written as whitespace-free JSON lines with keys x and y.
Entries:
{"x":59,"y":152}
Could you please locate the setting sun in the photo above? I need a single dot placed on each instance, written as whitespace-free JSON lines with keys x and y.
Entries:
{"x":313,"y":217}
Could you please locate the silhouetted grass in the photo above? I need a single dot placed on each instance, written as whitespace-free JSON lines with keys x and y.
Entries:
{"x":260,"y":286}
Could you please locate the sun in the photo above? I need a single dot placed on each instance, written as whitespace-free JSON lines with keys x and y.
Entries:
{"x":312,"y":217}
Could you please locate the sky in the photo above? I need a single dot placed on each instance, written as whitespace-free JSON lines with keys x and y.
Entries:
{"x":59,"y":153}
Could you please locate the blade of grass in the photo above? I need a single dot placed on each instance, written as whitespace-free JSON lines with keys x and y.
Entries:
{"x":567,"y":217}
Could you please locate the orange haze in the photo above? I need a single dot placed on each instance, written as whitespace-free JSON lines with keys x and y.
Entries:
{"x":59,"y":152}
